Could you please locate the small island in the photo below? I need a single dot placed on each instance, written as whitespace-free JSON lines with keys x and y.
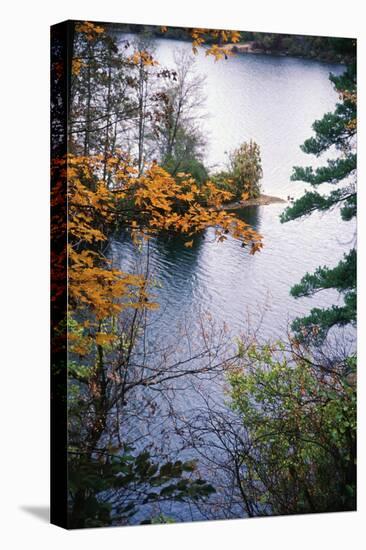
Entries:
{"x":241,"y":179}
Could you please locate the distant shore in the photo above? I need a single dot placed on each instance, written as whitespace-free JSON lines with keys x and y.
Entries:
{"x":277,"y":44}
{"x":250,"y":47}
{"x":246,"y":47}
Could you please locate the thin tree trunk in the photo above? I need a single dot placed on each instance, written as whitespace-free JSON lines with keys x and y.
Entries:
{"x":106,"y":143}
{"x":88,"y":103}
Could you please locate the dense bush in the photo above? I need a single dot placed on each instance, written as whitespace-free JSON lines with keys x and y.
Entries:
{"x":300,"y":419}
{"x":191,"y":166}
{"x":244,"y":172}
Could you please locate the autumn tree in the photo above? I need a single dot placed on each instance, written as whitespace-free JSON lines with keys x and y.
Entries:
{"x":335,"y":130}
{"x":100,"y":348}
{"x":111,"y":183}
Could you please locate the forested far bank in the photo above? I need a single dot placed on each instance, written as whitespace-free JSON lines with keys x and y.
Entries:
{"x":322,"y":48}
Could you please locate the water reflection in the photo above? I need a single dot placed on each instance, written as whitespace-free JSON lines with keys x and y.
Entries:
{"x":250,"y":214}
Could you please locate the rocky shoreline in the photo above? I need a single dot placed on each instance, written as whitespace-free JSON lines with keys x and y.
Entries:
{"x":262,"y":200}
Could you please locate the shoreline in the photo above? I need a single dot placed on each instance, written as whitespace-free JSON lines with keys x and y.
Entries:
{"x":245,"y":47}
{"x":262,"y":200}
{"x":248,"y":48}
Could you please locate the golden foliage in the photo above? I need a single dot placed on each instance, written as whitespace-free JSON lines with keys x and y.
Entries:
{"x":179,"y":205}
{"x":217,"y":50}
{"x":144,"y":58}
{"x":93,"y":283}
{"x":144,"y":205}
{"x":351,"y":97}
{"x":221,"y":36}
{"x":90,"y":30}
{"x":77,"y":64}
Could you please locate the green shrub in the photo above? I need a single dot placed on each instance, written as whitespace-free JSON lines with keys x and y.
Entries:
{"x":300,"y":420}
{"x":191,"y":166}
{"x":244,"y":172}
{"x":245,"y":169}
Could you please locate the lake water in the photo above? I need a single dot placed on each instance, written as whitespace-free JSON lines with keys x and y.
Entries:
{"x":273,"y":100}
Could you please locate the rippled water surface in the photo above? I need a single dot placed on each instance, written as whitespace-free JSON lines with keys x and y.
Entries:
{"x":273,"y":100}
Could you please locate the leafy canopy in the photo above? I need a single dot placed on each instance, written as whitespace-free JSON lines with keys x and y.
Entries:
{"x":300,"y":420}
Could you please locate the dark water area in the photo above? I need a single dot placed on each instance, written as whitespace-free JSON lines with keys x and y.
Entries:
{"x":273,"y":100}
